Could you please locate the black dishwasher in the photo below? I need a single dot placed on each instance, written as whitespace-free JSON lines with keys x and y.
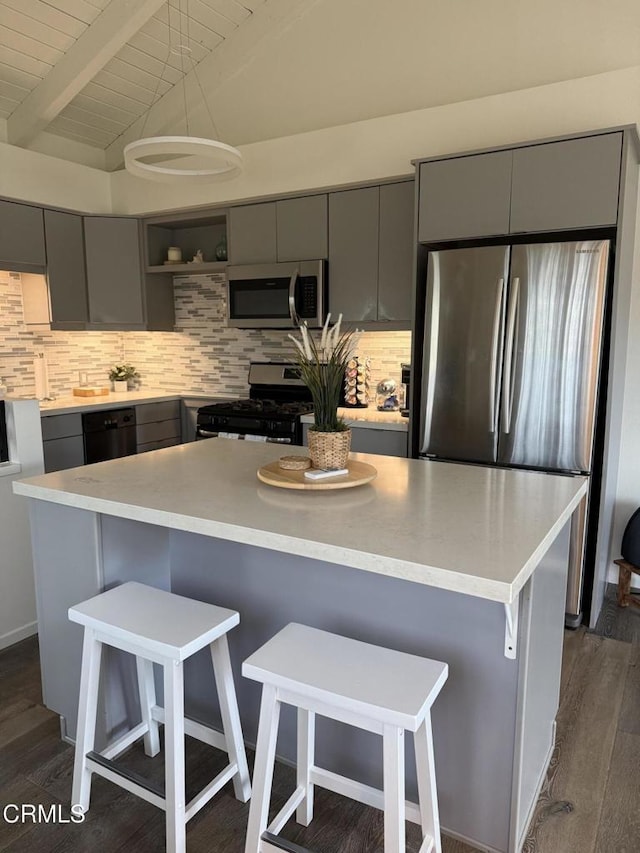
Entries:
{"x":109,"y":434}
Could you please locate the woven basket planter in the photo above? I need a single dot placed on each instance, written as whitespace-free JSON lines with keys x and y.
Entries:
{"x":329,"y":449}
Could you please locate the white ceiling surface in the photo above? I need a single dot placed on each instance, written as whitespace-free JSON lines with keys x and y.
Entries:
{"x":273,"y":68}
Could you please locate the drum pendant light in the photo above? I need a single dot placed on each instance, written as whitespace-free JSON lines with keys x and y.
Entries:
{"x":181,"y":159}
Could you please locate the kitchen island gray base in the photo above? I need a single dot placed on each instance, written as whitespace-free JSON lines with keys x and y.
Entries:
{"x":493,"y":722}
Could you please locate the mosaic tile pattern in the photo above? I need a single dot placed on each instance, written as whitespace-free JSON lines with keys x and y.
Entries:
{"x":201,"y":355}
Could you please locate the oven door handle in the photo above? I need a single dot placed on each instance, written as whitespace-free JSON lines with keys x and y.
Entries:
{"x":295,"y":319}
{"x":205,"y":433}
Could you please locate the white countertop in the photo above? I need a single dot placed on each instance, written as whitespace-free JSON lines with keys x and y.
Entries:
{"x":369,"y":417}
{"x":66,"y":405}
{"x":475,"y":530}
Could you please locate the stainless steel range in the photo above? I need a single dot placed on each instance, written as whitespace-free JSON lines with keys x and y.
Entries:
{"x":277,"y":400}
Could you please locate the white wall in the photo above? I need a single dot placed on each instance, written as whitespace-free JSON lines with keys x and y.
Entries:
{"x":384,"y":147}
{"x":17,"y":595}
{"x":39,"y":178}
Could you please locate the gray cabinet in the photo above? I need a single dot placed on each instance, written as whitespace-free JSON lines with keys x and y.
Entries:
{"x":114,"y":276}
{"x":120,"y":294}
{"x":158,"y":425}
{"x":301,"y":228}
{"x":565,"y":185}
{"x":252,"y":234}
{"x":385,"y":442}
{"x":550,"y":186}
{"x":395,"y":252}
{"x":62,"y":442}
{"x":291,"y":229}
{"x":21,"y":237}
{"x":371,"y":253}
{"x":353,"y":253}
{"x":465,"y":197}
{"x":66,"y":275}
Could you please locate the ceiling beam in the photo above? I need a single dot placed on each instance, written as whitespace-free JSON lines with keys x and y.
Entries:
{"x":267,"y":23}
{"x":99,"y":43}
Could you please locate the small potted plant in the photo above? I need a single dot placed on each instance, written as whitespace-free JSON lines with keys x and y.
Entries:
{"x":121,"y":376}
{"x":322,"y":365}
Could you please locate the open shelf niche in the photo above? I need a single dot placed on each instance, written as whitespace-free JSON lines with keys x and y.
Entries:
{"x":190,"y":232}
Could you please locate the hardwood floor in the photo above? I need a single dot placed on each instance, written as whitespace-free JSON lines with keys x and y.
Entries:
{"x":590,"y":802}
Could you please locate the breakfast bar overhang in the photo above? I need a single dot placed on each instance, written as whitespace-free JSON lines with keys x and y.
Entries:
{"x":464,"y":564}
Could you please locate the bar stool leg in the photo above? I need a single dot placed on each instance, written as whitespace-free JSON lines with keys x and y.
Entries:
{"x":174,"y":757}
{"x":230,"y":716}
{"x":147,"y":691}
{"x":393,"y":759}
{"x":263,"y":768}
{"x":305,"y":760}
{"x":87,"y":710}
{"x":427,"y":793}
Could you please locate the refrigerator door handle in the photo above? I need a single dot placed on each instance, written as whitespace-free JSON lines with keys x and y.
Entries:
{"x":510,"y":355}
{"x":497,"y":317}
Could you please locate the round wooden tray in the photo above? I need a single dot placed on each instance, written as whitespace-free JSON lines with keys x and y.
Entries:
{"x":359,"y":474}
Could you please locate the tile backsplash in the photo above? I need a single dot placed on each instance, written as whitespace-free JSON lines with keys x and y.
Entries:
{"x":201,"y":355}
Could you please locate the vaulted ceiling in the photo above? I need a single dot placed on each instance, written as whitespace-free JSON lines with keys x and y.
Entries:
{"x":89,"y":70}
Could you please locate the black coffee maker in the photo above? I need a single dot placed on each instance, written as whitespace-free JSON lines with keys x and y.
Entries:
{"x":406,"y":382}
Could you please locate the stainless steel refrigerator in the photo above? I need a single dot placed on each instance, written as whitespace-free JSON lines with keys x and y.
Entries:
{"x":511,"y":361}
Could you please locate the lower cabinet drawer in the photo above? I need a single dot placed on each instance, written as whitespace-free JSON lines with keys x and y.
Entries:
{"x":61,"y":453}
{"x":158,"y":431}
{"x":61,"y":426}
{"x":158,"y":445}
{"x":386,"y":442}
{"x":163,"y":411}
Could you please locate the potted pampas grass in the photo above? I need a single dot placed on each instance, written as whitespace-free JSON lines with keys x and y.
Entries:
{"x":322,"y":365}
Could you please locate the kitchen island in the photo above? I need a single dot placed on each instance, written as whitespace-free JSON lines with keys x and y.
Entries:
{"x":461,"y":563}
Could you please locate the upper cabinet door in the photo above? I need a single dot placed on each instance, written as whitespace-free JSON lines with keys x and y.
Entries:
{"x":114,"y":270}
{"x":353,"y":254}
{"x":21,"y":237}
{"x":252,"y":234}
{"x":395,"y":282}
{"x":566,"y":185}
{"x":66,"y":273}
{"x":302,"y":228}
{"x":465,"y":197}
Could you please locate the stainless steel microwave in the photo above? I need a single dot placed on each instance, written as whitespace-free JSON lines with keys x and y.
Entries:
{"x":277,"y":296}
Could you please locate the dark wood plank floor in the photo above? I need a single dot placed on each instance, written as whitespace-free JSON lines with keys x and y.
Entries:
{"x":590,"y":802}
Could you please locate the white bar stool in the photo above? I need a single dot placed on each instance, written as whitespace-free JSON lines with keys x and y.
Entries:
{"x":373,"y":688}
{"x":163,"y":628}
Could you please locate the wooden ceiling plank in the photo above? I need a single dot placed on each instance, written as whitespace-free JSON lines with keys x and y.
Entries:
{"x":138,"y":93}
{"x":78,"y":114}
{"x":201,"y":36}
{"x":251,"y":5}
{"x":10,"y":90}
{"x":92,"y":105}
{"x":204,"y":15}
{"x":80,"y":9}
{"x":91,"y":132}
{"x":116,"y":99}
{"x":21,"y":62}
{"x":231,"y":10}
{"x":39,"y":32}
{"x":30,"y":47}
{"x":48,"y":16}
{"x":261,"y":29}
{"x":91,"y":52}
{"x":154,"y":39}
{"x":136,"y":75}
{"x":76,"y":137}
{"x":18,"y":77}
{"x":153,"y":66}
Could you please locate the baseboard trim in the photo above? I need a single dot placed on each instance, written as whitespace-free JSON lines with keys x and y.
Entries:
{"x":18,"y":635}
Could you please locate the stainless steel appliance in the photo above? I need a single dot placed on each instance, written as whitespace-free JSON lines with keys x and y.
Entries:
{"x":277,"y":400}
{"x":511,"y":362}
{"x":109,"y":434}
{"x":405,"y":379}
{"x":277,"y":296}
